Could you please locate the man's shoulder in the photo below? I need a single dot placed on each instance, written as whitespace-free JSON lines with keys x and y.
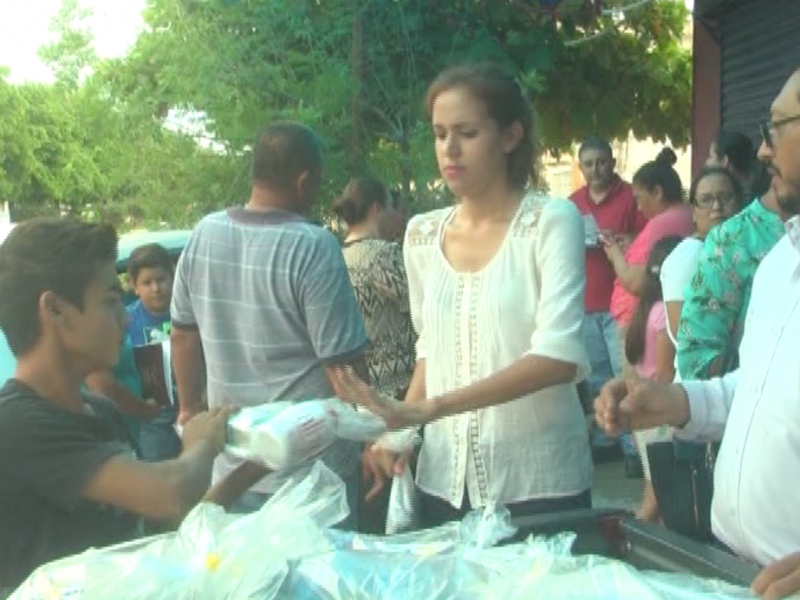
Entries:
{"x":215,"y":230}
{"x":209,"y":221}
{"x":21,"y":410}
{"x":102,"y":406}
{"x":317,"y":234}
{"x":581,"y":195}
{"x":17,"y":401}
{"x":743,"y":222}
{"x":311,"y":242}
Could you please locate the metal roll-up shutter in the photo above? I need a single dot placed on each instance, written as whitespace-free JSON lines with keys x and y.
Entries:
{"x":760,"y":42}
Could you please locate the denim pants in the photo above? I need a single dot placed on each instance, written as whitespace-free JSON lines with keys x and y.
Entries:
{"x":157,"y":438}
{"x":602,"y":342}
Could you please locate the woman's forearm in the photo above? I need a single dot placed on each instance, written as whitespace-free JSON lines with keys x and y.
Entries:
{"x":631,"y":276}
{"x":416,"y":389}
{"x":527,"y":375}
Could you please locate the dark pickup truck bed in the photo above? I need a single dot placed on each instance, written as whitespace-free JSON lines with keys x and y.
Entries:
{"x":616,"y":534}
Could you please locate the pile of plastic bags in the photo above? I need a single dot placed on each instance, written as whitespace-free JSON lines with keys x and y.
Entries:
{"x":288,"y":551}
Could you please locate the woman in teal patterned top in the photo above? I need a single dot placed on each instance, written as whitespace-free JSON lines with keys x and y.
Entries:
{"x":717,"y":298}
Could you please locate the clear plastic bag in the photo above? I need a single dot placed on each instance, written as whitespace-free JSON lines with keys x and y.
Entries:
{"x":288,"y":550}
{"x":403,"y":510}
{"x":447,"y":562}
{"x":547,"y":571}
{"x":213,"y":555}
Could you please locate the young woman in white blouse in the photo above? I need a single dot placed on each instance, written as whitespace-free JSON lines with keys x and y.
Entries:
{"x":496,"y":285}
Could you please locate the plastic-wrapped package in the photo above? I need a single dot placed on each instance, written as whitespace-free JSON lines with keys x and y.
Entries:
{"x":282,"y":435}
{"x":212,"y":556}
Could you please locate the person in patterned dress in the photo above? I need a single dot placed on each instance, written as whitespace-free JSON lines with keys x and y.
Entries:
{"x":379,"y":279}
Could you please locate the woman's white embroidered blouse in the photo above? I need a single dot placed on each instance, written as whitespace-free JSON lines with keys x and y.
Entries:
{"x":527,"y":300}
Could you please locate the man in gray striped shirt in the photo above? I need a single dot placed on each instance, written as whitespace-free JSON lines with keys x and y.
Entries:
{"x":265,"y":295}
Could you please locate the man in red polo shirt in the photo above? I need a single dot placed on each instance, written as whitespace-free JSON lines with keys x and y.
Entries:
{"x":608,"y":208}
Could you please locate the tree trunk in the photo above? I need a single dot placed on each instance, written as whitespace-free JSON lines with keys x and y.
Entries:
{"x":356,"y":160}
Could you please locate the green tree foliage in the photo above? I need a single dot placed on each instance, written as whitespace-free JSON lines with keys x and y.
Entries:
{"x":356,"y":70}
{"x":75,"y":147}
{"x":71,"y":55}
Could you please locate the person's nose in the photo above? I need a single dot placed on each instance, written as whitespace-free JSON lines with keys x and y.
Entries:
{"x":765,"y":154}
{"x":452,"y":147}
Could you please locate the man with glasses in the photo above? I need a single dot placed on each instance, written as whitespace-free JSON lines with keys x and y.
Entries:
{"x":755,"y":503}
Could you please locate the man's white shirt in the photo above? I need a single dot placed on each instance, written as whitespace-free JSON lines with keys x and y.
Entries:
{"x":756,"y":496}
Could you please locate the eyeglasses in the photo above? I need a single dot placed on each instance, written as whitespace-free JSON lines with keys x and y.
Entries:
{"x":708,"y":201}
{"x":768,"y":127}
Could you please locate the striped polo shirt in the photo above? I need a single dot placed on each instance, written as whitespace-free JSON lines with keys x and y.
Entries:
{"x":270,"y":295}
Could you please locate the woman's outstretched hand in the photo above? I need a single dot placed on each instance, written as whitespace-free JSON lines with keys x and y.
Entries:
{"x":397,"y":415}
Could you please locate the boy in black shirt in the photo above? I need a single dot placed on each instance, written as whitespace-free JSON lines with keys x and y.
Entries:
{"x":69,"y":477}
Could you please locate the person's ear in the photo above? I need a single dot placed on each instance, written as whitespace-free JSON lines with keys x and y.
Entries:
{"x":301,"y":184}
{"x":513,"y":137}
{"x":658,"y":193}
{"x":51,"y":308}
{"x":375,"y":210}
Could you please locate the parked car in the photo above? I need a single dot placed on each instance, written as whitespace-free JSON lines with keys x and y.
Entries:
{"x":174,"y":241}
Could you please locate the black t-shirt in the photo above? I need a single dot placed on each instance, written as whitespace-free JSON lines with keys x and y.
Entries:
{"x":47,"y":457}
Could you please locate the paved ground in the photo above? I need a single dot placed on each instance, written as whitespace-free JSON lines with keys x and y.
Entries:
{"x":612,"y":489}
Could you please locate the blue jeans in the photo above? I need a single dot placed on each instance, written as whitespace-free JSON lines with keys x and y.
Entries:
{"x":601,"y":339}
{"x":157,"y":438}
{"x":251,"y":502}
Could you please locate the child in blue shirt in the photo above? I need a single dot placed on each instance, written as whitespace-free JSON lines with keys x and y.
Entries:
{"x":150,"y":273}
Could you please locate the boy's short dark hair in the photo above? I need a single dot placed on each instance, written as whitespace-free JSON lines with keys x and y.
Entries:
{"x":149,"y":256}
{"x":40,"y":255}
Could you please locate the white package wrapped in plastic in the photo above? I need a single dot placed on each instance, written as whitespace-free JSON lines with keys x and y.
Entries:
{"x":282,"y":435}
{"x":213,"y":555}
